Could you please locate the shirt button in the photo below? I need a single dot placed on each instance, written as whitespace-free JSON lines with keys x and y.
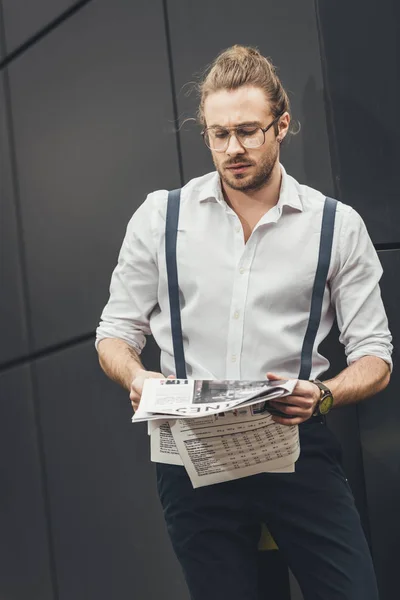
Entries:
{"x":236,"y":314}
{"x":233,"y":358}
{"x":241,"y":271}
{"x":237,"y":229}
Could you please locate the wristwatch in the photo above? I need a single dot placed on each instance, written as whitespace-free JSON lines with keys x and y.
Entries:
{"x":325,"y":402}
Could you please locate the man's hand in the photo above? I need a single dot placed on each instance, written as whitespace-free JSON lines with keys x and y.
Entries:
{"x":302,"y":402}
{"x":138,"y":382}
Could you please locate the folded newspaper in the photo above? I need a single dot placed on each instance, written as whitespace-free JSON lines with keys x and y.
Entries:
{"x":218,"y":430}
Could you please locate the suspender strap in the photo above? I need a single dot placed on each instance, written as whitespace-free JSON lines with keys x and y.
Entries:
{"x":324,"y":259}
{"x":171,"y":231}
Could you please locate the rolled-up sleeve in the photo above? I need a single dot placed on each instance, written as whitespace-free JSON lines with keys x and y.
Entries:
{"x":134,"y":284}
{"x":356,"y":295}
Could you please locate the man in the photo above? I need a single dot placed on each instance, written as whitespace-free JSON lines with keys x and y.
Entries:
{"x":247,"y":250}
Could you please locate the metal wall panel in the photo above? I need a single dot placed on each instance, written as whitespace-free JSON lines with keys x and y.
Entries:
{"x":12,"y":308}
{"x":24,"y":553}
{"x":363,"y":81}
{"x":286,"y":31}
{"x":23,"y":19}
{"x":379,"y":430}
{"x":2,"y":34}
{"x":109,"y":537}
{"x":92,"y":114}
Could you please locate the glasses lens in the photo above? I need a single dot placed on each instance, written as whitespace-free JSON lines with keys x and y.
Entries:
{"x":250,"y":137}
{"x":216,"y":139}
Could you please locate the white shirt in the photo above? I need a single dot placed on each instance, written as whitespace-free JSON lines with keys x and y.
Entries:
{"x":245,"y":307}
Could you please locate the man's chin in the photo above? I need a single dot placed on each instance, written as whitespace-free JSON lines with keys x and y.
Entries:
{"x":239,"y":182}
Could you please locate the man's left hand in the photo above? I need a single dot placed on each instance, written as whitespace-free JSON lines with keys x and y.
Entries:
{"x":300,"y":406}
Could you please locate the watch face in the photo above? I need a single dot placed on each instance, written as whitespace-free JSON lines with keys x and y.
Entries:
{"x":326,"y":405}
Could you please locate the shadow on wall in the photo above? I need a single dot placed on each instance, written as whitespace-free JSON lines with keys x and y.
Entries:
{"x":313,"y":128}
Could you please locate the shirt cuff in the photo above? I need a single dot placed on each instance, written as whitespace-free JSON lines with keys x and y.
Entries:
{"x":135,"y":345}
{"x":370,"y":352}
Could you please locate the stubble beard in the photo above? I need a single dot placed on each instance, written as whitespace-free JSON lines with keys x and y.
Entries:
{"x":242,"y":182}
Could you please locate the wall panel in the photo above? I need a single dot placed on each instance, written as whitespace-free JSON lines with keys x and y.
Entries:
{"x":93,"y":137}
{"x":12,"y":308}
{"x":23,"y":19}
{"x":2,"y":33}
{"x":109,"y":536}
{"x":363,"y":82}
{"x":379,"y":430}
{"x":286,"y":31}
{"x":24,"y":552}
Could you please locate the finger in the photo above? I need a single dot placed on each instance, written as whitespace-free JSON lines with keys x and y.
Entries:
{"x":137,"y":383}
{"x":273,"y":376}
{"x":171,"y":377}
{"x":135,"y":403}
{"x":294,"y":411}
{"x":307,"y":389}
{"x":301,"y":401}
{"x":290,"y":421}
{"x":134,"y":397}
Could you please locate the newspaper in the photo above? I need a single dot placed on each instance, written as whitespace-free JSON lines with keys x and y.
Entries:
{"x":224,"y":430}
{"x":163,"y":448}
{"x":185,"y":398}
{"x":234,"y":446}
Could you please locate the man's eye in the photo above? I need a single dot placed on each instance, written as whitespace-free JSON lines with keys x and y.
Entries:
{"x":220,"y":135}
{"x":247,"y":131}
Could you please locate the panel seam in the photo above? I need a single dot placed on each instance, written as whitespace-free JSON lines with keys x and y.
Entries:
{"x":49,"y":351}
{"x":173,"y":90}
{"x":8,"y":58}
{"x":333,"y":150}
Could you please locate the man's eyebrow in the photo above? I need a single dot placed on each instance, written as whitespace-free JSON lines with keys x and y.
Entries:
{"x":244,"y":124}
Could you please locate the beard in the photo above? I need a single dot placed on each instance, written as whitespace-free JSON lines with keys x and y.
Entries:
{"x":244,"y":182}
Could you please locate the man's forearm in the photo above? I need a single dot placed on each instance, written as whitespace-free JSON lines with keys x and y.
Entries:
{"x":364,"y":378}
{"x":119,"y":361}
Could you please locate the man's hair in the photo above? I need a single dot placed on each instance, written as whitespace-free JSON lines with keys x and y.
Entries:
{"x":240,"y":66}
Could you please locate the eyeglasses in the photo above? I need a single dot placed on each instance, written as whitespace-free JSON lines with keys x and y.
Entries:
{"x":217,"y":138}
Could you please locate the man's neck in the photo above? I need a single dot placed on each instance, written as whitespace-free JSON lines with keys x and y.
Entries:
{"x":261,"y":200}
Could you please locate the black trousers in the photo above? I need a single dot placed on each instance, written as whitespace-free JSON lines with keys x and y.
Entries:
{"x":310,"y":513}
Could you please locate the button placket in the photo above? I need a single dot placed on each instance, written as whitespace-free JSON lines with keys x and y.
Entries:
{"x":236,"y":321}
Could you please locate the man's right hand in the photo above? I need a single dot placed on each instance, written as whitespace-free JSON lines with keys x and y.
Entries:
{"x":138,"y":382}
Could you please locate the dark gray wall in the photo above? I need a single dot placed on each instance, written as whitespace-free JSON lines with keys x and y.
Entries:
{"x":379,"y":423}
{"x":87,"y":116}
{"x":25,"y":19}
{"x":108,"y":529}
{"x":12,"y":305}
{"x":89,"y":94}
{"x":25,"y":552}
{"x":362,"y":81}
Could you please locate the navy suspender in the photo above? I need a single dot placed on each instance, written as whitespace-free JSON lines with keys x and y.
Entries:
{"x":324,"y":258}
{"x":171,"y":231}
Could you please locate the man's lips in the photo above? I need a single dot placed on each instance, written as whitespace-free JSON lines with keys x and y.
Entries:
{"x":238,"y":166}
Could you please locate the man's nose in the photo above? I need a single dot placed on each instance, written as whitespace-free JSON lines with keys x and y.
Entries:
{"x":234,"y":146}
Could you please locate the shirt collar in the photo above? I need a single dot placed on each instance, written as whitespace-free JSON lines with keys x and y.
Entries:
{"x":289,"y":195}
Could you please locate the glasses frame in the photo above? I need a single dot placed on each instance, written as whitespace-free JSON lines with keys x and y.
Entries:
{"x":231,"y":129}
